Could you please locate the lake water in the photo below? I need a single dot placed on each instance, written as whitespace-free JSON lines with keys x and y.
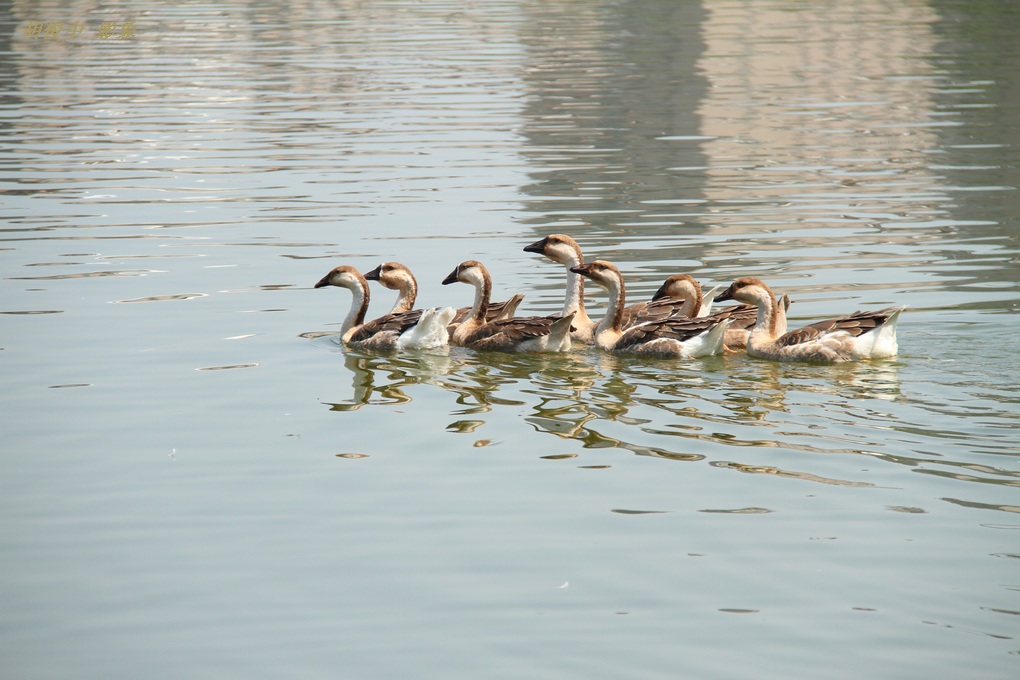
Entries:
{"x":197,"y":482}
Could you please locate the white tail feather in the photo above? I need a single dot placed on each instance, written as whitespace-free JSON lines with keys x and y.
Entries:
{"x":430,"y":331}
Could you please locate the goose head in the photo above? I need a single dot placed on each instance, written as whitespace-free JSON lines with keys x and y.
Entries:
{"x":557,"y":247}
{"x":681,"y":286}
{"x":393,"y":275}
{"x":343,"y":276}
{"x":748,"y":290}
{"x":601,"y":272}
{"x":469,"y":271}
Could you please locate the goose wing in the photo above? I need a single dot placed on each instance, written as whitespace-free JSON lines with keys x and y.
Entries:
{"x":653,"y":310}
{"x":516,"y":330}
{"x":678,"y":328}
{"x":740,"y":316}
{"x":389,"y":323}
{"x":496,"y":309}
{"x":855,"y":325}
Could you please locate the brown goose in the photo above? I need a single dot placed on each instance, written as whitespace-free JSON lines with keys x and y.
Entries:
{"x":565,"y":250}
{"x":676,"y":336}
{"x":683,"y":286}
{"x":516,"y":334}
{"x":408,"y":329}
{"x":398,"y":277}
{"x":742,"y":317}
{"x":861,"y":335}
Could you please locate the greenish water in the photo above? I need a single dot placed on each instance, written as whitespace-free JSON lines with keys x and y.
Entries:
{"x":197,"y":481}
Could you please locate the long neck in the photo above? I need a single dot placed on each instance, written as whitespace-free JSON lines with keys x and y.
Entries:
{"x":610,"y":328}
{"x":574,"y":299}
{"x":692,"y":302}
{"x":408,"y":294}
{"x":771,"y":321}
{"x":359,"y":307}
{"x":483,"y":292}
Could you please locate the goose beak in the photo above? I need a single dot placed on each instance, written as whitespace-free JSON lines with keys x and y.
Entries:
{"x":536,"y":247}
{"x":374,"y":274}
{"x":453,"y":277}
{"x":581,"y":269}
{"x":659,"y":294}
{"x":725,"y":295}
{"x":324,"y":281}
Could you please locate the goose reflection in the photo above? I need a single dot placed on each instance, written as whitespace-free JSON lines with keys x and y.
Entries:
{"x":481,"y":378}
{"x":644,"y":405}
{"x":570,"y":397}
{"x":401,"y":370}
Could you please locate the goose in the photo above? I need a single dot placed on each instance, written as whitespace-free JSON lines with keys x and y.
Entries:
{"x":861,"y":335}
{"x":742,"y":317}
{"x":516,"y":334}
{"x":676,"y":336}
{"x":565,"y":250}
{"x":679,"y":286}
{"x":679,"y":295}
{"x":398,"y":277}
{"x":408,"y":329}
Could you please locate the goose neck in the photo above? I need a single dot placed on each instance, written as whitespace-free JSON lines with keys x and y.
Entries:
{"x":611,"y":327}
{"x":408,"y":294}
{"x":771,"y":320}
{"x":359,"y":307}
{"x":483,"y":293}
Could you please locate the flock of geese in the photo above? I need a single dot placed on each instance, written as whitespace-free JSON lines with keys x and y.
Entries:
{"x":677,"y":322}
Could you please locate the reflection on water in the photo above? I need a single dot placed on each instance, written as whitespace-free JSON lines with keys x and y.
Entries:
{"x":400,"y":370}
{"x":686,"y":411}
{"x":768,"y":156}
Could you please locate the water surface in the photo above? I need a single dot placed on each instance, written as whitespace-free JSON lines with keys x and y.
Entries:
{"x":197,"y":481}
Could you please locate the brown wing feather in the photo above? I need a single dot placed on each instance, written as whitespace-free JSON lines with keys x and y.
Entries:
{"x":740,"y":316}
{"x":855,"y":324}
{"x":799,"y":336}
{"x":676,"y":328}
{"x":392,"y":323}
{"x":516,"y":330}
{"x":653,"y":310}
{"x":495,"y":309}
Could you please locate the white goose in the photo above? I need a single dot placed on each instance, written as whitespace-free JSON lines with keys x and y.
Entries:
{"x":681,"y":337}
{"x":516,"y":334}
{"x":408,"y":329}
{"x":398,"y":277}
{"x":565,"y":250}
{"x":861,"y":335}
